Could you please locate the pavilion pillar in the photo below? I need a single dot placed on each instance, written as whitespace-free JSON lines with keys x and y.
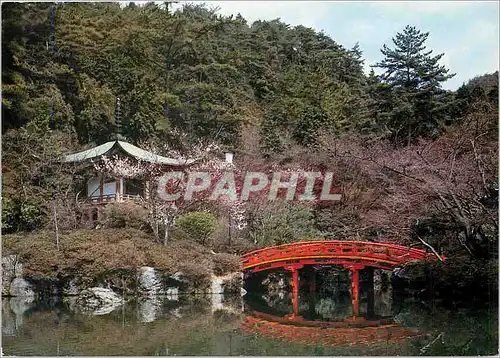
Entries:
{"x":101,"y":188}
{"x":117,"y":189}
{"x":87,"y":216}
{"x":146,"y":189}
{"x":122,"y":188}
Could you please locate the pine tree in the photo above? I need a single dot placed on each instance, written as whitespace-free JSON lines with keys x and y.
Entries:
{"x":409,"y":65}
{"x":415,"y":77}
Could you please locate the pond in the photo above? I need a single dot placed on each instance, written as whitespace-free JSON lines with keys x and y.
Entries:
{"x":249,"y":325}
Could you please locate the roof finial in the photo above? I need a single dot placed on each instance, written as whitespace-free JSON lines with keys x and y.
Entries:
{"x":118,"y":123}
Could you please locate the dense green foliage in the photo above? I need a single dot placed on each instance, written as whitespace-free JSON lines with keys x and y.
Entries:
{"x":198,"y":225}
{"x":209,"y":75}
{"x":194,"y":70}
{"x":33,"y":180}
{"x":280,"y":225}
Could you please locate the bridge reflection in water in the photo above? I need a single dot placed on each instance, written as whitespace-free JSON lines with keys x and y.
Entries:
{"x":356,"y":331}
{"x":325,"y":318}
{"x":352,"y":255}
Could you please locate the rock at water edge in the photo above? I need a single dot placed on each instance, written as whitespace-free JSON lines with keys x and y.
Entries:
{"x":19,"y":287}
{"x":99,"y":301}
{"x":232,"y":282}
{"x":11,"y":268}
{"x":148,"y":282}
{"x":72,"y":289}
{"x":173,"y":294}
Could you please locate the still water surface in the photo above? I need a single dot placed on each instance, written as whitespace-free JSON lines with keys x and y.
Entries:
{"x":217,"y":325}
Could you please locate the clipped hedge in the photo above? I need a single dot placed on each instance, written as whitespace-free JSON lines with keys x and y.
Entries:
{"x":198,"y":225}
{"x":125,"y":215}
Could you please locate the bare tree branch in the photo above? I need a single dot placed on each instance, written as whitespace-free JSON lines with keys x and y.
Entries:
{"x":430,"y":247}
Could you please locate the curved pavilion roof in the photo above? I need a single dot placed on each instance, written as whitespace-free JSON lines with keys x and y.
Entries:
{"x":127,"y":148}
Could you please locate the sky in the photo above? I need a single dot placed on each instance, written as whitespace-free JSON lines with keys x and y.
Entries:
{"x":467,"y":32}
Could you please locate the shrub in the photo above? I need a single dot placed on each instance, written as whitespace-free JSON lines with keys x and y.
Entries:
{"x":237,"y":246}
{"x":197,"y":275}
{"x":112,"y":255}
{"x":225,"y":263}
{"x":125,"y":215}
{"x":177,"y":234}
{"x":8,"y":216}
{"x":234,"y":245}
{"x":282,"y":225}
{"x":26,"y":216}
{"x":198,"y":225}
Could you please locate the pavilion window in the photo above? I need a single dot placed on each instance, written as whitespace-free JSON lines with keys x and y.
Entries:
{"x":133,"y":187}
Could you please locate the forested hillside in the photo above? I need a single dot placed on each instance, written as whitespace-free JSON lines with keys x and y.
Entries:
{"x":203,"y":73}
{"x":416,"y":164}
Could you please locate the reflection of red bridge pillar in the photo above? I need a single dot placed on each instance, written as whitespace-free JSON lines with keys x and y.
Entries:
{"x":355,"y":288}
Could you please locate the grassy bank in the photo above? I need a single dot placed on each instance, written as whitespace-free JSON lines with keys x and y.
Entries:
{"x":91,"y":253}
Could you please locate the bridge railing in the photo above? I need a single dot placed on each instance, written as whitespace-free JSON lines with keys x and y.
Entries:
{"x":354,"y":250}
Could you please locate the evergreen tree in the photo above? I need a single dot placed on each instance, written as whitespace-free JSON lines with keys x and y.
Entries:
{"x":415,"y":77}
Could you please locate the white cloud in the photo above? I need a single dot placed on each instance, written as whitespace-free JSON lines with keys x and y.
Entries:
{"x":358,"y":28}
{"x":307,"y":13}
{"x":476,"y":53}
{"x":422,"y":7}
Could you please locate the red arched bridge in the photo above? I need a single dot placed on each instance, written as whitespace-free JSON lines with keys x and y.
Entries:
{"x":353,"y":255}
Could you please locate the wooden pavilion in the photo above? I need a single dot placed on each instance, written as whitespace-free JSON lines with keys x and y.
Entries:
{"x":100,"y":190}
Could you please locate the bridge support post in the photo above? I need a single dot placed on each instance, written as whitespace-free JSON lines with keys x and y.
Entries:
{"x":355,"y":292}
{"x":355,"y":289}
{"x":295,"y":291}
{"x":295,"y":287}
